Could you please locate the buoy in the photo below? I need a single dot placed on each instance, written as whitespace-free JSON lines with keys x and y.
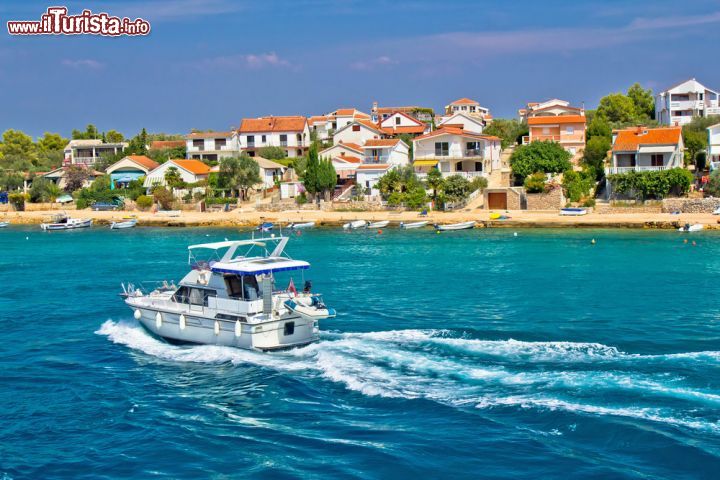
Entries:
{"x":217,"y":327}
{"x":182,"y":322}
{"x":592,"y":241}
{"x":137,"y":314}
{"x":685,"y":240}
{"x":694,"y":244}
{"x":514,"y":234}
{"x":437,"y":231}
{"x":380,"y":232}
{"x":158,"y":320}
{"x":238,"y":328}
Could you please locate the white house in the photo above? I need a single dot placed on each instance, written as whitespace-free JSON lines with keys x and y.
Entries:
{"x":398,"y":122}
{"x":89,"y":152}
{"x":391,"y":151}
{"x":212,"y":146}
{"x":468,"y":106}
{"x":270,"y":171}
{"x":464,"y":122}
{"x":679,"y":104}
{"x":713,"y":150}
{"x":357,"y":131}
{"x":455,"y":151}
{"x":341,"y":149}
{"x":368,"y":175}
{"x":324,"y":126}
{"x":191,"y":171}
{"x":289,"y":133}
{"x":130,"y":168}
{"x":641,"y":149}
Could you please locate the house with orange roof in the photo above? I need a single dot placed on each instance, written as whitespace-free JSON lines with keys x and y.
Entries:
{"x":469,"y":107}
{"x":463,"y":121}
{"x":398,"y":123}
{"x":326,"y":125}
{"x":191,"y":171}
{"x":128,"y":169}
{"x":455,"y":151}
{"x":211,"y":146}
{"x":556,"y":121}
{"x":638,"y":149}
{"x":166,"y":144}
{"x":345,"y":157}
{"x":358,"y":131}
{"x":291,"y":133}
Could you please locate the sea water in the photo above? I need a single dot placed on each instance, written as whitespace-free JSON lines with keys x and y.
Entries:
{"x":473,"y":354}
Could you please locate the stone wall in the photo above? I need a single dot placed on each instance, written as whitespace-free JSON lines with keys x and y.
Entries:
{"x":628,"y":207}
{"x":690,"y":205}
{"x":552,"y":200}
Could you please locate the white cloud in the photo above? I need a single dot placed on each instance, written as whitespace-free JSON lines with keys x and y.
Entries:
{"x":83,"y":64}
{"x":251,"y":61}
{"x":373,"y":63}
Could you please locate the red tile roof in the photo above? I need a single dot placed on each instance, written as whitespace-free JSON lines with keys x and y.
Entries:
{"x":193,"y":166}
{"x":209,"y":135}
{"x":273,"y":124}
{"x":350,"y":145}
{"x":385,"y":142}
{"x":160,"y":144}
{"x":146,"y":162}
{"x":631,"y":139}
{"x":552,"y":120}
{"x":398,"y":130}
{"x":348,"y":159}
{"x":464,"y":101}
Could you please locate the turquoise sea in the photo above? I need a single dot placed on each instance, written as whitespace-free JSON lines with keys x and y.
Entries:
{"x":474,"y":354}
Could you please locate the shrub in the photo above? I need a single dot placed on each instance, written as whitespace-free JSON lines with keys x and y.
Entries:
{"x":590,"y":202}
{"x":301,"y":199}
{"x":578,"y":185}
{"x":43,"y":190}
{"x":656,"y":184}
{"x":456,"y":188}
{"x":17,"y":200}
{"x":164,"y":197}
{"x":535,"y":183}
{"x":545,"y":157}
{"x":144,"y":202}
{"x":478,"y":183}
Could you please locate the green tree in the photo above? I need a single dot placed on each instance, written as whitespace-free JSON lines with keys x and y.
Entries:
{"x":328,"y":177}
{"x":599,"y":127}
{"x":545,"y":157}
{"x":535,"y":183}
{"x":643,"y":101}
{"x":712,"y":188}
{"x":10,"y":181}
{"x":173,"y":179}
{"x":43,"y":190}
{"x":239,"y":173}
{"x":435,"y":182}
{"x":694,"y":143}
{"x":509,"y":131}
{"x":17,"y":144}
{"x":311,"y":178}
{"x":138,"y":144}
{"x":272,"y":153}
{"x":50,"y":142}
{"x":75,"y":177}
{"x":113,"y":136}
{"x":91,"y":132}
{"x":456,"y":188}
{"x":619,"y":109}
{"x":596,"y":151}
{"x":162,"y":155}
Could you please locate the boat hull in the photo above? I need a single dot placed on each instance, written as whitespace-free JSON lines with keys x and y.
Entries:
{"x":278,"y":334}
{"x":66,"y":226}
{"x":573,"y":212}
{"x":121,"y":225}
{"x":382,"y":224}
{"x":298,"y":226}
{"x":456,"y":226}
{"x":4,"y":224}
{"x":409,"y":226}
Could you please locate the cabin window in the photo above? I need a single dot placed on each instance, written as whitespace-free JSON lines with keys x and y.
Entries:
{"x":442,"y":149}
{"x":289,"y":328}
{"x":242,"y":287}
{"x":657,"y":160}
{"x":198,"y":297}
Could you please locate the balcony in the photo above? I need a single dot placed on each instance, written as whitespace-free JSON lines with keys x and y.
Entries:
{"x":84,"y":160}
{"x":637,"y":168}
{"x":251,"y":145}
{"x":540,"y":138}
{"x":687,"y":105}
{"x":467,"y":175}
{"x":283,"y":143}
{"x":197,"y":148}
{"x":376,"y":159}
{"x":477,"y":152}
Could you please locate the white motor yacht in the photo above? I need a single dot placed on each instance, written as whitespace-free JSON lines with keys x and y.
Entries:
{"x":233,"y":301}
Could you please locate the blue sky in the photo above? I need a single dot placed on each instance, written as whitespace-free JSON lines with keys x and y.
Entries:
{"x":208,"y":63}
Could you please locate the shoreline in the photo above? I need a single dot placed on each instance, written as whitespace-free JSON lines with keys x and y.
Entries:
{"x":251,"y":218}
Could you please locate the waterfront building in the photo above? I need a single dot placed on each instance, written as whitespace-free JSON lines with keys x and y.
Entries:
{"x":713,"y":150}
{"x":130,"y":168}
{"x":556,"y":121}
{"x":191,"y":171}
{"x":89,"y":152}
{"x":645,"y":149}
{"x":455,"y":151}
{"x":679,"y":104}
{"x":212,"y":146}
{"x":290,"y":133}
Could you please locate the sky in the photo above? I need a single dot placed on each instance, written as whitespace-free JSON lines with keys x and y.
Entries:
{"x":208,"y":63}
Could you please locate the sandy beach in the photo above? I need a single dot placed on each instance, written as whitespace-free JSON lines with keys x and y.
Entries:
{"x":249,"y":217}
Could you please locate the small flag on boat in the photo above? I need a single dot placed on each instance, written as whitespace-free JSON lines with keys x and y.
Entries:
{"x":291,"y":287}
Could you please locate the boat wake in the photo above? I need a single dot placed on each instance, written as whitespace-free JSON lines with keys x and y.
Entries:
{"x":438,"y":365}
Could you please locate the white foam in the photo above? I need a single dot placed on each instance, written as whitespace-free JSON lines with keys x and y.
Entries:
{"x":367,"y":363}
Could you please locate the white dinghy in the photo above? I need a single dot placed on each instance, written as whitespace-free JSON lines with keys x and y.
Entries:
{"x":381,"y":224}
{"x":408,"y":226}
{"x":456,"y":226}
{"x":300,"y":226}
{"x":64,"y":222}
{"x":691,"y":228}
{"x":355,"y":225}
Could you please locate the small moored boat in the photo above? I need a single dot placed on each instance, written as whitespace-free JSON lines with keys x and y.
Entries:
{"x":381,"y":224}
{"x":691,"y":228}
{"x":169,"y":213}
{"x":354,"y":225}
{"x":128,"y":222}
{"x":297,"y":226}
{"x":265,"y":226}
{"x":573,"y":211}
{"x":4,"y":224}
{"x":64,"y":222}
{"x":408,"y":226}
{"x":456,"y":226}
